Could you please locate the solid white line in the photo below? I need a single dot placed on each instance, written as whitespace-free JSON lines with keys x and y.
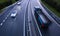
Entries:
{"x":24,"y":23}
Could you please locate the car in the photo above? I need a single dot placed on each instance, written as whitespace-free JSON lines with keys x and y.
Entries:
{"x":42,"y":20}
{"x":13,"y":14}
{"x":37,"y":8}
{"x":19,"y":3}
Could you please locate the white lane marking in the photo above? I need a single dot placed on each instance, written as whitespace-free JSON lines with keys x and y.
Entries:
{"x":7,"y":15}
{"x":1,"y":24}
{"x":3,"y":20}
{"x":6,"y":18}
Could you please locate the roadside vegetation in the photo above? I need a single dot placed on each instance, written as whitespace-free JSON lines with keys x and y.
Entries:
{"x":53,"y":5}
{"x":5,"y":3}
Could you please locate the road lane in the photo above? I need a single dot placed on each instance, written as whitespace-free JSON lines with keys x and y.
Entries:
{"x":12,"y":26}
{"x":52,"y":30}
{"x":15,"y":26}
{"x":33,"y":29}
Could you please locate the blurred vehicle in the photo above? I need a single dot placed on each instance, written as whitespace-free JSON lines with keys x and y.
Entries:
{"x":13,"y":14}
{"x":40,"y":17}
{"x":19,"y":3}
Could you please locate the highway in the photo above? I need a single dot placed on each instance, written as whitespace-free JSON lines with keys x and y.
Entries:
{"x":53,"y":29}
{"x":25,"y":24}
{"x":15,"y":26}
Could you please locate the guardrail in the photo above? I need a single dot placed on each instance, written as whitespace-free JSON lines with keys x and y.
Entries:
{"x":56,"y":18}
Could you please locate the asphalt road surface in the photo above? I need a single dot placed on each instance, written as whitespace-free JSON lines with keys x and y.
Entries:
{"x":25,"y":24}
{"x":14,"y":26}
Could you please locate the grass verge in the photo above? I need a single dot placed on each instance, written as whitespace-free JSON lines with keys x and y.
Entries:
{"x":52,"y":9}
{"x":4,"y":1}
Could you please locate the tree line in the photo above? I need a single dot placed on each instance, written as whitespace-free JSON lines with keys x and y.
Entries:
{"x":7,"y":3}
{"x":53,"y":3}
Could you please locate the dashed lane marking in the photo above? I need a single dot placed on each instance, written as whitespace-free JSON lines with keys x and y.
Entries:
{"x":3,"y":20}
{"x":1,"y":24}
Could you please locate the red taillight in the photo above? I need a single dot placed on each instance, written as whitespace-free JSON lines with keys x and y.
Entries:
{"x":43,"y":25}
